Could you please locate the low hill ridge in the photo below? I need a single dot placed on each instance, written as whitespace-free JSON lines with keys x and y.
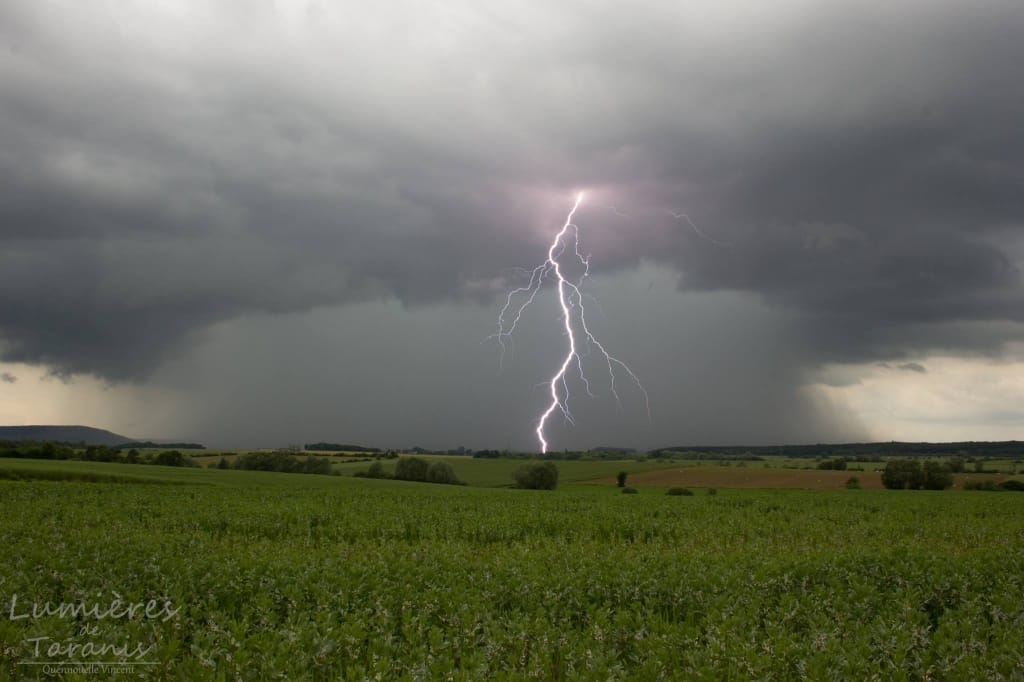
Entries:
{"x":63,"y":434}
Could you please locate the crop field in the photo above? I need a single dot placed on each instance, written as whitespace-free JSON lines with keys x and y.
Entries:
{"x":748,"y":477}
{"x":240,"y":575}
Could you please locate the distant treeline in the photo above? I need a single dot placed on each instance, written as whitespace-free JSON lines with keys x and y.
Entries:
{"x":338,"y":447}
{"x":855,"y":451}
{"x":150,"y":445}
{"x":280,"y":461}
{"x":93,"y":453}
{"x":598,"y":454}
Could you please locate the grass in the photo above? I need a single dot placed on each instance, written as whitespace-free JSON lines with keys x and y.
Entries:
{"x":283,"y":576}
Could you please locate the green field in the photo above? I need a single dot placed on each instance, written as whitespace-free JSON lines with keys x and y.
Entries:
{"x":287,"y":576}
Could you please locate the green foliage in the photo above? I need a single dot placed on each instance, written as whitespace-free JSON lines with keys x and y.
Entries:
{"x":620,"y":478}
{"x":441,"y":472}
{"x":630,"y":491}
{"x":1012,"y":484}
{"x":853,"y":483}
{"x":278,"y":579}
{"x":537,"y":476}
{"x":936,"y":476}
{"x":902,"y":474}
{"x":910,"y":474}
{"x":411,"y":469}
{"x":679,"y":491}
{"x":282,"y":462}
{"x":172,"y":458}
{"x":838,"y":464}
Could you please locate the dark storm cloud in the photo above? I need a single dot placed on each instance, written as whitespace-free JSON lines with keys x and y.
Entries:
{"x":165,"y":169}
{"x":913,"y":367}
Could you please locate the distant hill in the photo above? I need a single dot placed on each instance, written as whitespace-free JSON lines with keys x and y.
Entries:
{"x":168,"y":445}
{"x":337,"y":447}
{"x":1009,"y":448}
{"x":63,"y":434}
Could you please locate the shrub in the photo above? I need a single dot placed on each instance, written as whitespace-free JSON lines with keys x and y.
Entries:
{"x":712,"y":491}
{"x":902,"y":474}
{"x":679,"y":491}
{"x":441,"y":472}
{"x":630,"y":491}
{"x":171,"y":458}
{"x":621,"y":478}
{"x":936,"y":476}
{"x":1012,"y":484}
{"x":312,"y":465}
{"x":411,"y":469}
{"x":539,"y":476}
{"x":853,"y":483}
{"x":283,"y":462}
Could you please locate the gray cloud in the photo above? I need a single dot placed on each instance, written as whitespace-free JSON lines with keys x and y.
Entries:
{"x":856,"y":166}
{"x":913,"y":367}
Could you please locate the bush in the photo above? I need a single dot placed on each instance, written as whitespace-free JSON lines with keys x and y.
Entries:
{"x":1012,"y":484}
{"x":936,"y":476}
{"x":411,"y":469}
{"x":539,"y":476}
{"x":171,"y":458}
{"x":282,"y":462}
{"x":712,"y":491}
{"x":853,"y":483}
{"x":441,"y":472}
{"x":630,"y":491}
{"x":621,"y":478}
{"x":312,"y":465}
{"x":679,"y":491}
{"x":902,"y":474}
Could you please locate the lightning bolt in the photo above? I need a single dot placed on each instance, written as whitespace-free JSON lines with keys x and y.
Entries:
{"x":574,"y":319}
{"x":683,"y":216}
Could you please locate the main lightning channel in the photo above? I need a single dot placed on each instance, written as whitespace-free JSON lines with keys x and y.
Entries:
{"x":570,"y":298}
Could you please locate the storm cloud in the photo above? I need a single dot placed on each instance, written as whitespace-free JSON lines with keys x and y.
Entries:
{"x":856,"y":167}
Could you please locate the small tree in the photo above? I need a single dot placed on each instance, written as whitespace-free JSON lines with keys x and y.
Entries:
{"x":936,"y":476}
{"x":411,"y":469}
{"x":621,"y":478}
{"x":441,"y":472}
{"x":171,"y":458}
{"x":903,"y":474}
{"x":540,"y":476}
{"x":223,"y":463}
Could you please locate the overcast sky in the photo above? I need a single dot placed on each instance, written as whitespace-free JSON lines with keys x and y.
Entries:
{"x":265,"y":223}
